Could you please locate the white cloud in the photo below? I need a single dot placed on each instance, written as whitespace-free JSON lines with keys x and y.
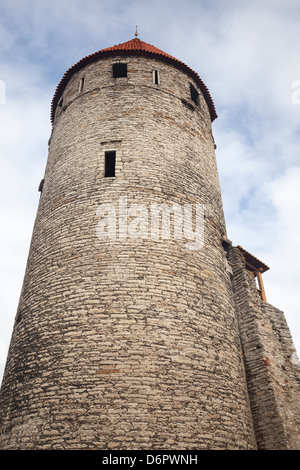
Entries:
{"x":283,"y":280}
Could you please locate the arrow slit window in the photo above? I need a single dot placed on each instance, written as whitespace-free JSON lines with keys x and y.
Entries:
{"x":110,"y":164}
{"x":156,"y":80}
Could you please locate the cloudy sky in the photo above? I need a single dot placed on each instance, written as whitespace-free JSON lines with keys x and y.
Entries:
{"x":246,"y":52}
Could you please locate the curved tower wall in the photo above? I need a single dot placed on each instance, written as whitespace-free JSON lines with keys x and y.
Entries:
{"x":131,"y":342}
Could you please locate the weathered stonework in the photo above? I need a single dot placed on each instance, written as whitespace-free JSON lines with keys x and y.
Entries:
{"x":132,"y":343}
{"x":272,"y":365}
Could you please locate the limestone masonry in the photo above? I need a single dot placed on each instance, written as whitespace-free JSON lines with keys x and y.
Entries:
{"x":131,"y":333}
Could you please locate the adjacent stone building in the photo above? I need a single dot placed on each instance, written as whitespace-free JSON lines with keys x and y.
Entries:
{"x":139,"y":325}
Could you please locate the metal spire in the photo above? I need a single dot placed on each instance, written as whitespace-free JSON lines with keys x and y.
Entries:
{"x":136,"y":31}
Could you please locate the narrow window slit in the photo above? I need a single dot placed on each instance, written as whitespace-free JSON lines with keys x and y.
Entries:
{"x":110,"y":164}
{"x":81,"y":85}
{"x":155,"y":77}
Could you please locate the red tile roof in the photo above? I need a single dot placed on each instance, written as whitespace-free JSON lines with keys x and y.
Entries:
{"x":255,"y":262}
{"x":133,"y":47}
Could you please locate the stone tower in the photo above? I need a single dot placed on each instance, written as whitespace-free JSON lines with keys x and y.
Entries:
{"x":139,"y":326}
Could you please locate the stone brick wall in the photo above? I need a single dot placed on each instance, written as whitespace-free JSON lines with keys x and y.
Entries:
{"x":272,"y":366}
{"x":130,"y":343}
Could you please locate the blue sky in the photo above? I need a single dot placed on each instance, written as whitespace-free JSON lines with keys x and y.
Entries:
{"x":246,"y":52}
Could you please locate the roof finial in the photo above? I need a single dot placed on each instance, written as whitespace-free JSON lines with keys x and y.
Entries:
{"x":136,"y":32}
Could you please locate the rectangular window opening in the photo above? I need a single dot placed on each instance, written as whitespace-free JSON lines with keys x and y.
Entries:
{"x":81,"y":85}
{"x":156,"y":77}
{"x":194,"y":94}
{"x":119,"y":70}
{"x":60,"y":103}
{"x":110,"y":164}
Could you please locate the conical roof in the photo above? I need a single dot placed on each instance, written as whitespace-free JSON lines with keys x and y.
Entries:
{"x":133,"y":47}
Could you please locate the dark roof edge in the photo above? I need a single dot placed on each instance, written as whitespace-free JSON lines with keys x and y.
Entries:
{"x":108,"y":53}
{"x":255,"y":262}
